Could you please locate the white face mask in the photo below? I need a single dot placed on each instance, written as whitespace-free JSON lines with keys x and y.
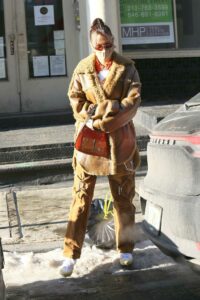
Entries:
{"x":104,"y":54}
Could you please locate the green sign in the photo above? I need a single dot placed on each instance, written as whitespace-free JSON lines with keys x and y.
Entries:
{"x":146,"y":21}
{"x":145,"y":11}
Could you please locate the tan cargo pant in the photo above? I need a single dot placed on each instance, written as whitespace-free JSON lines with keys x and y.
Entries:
{"x":123,"y":190}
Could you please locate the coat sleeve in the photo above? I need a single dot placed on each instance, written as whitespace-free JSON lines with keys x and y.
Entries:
{"x":127,"y":108}
{"x":78,"y":99}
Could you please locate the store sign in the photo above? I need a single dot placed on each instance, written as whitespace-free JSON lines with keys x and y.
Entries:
{"x":146,"y":21}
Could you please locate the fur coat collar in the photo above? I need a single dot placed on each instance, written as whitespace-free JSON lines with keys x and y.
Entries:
{"x":102,"y":92}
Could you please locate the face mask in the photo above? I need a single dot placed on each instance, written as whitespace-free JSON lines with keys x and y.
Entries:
{"x":103,"y":55}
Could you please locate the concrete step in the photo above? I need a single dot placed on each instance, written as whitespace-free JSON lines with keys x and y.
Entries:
{"x":24,"y":120}
{"x":35,"y":153}
{"x":43,"y":154}
{"x":46,"y":152}
{"x":46,"y":172}
{"x":39,"y":144}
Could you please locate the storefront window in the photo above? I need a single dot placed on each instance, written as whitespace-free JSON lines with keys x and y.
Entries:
{"x":188,"y":23}
{"x":45,"y":38}
{"x":3,"y":72}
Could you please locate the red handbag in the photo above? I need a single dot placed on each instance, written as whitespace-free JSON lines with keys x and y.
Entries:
{"x":93,"y":142}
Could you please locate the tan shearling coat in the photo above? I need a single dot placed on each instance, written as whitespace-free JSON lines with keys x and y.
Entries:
{"x":117,"y":101}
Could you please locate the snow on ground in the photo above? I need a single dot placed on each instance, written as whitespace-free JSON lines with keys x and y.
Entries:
{"x":23,"y":268}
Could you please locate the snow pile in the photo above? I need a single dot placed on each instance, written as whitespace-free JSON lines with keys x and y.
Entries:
{"x":23,"y":268}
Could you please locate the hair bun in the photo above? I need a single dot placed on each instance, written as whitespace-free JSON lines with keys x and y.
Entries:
{"x":97,"y":23}
{"x":99,"y":26}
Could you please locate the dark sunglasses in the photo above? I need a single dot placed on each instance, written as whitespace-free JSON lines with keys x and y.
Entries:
{"x":101,"y":47}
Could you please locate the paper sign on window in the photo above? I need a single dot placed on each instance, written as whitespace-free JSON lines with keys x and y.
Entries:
{"x":2,"y":68}
{"x":59,"y":44}
{"x":40,"y":66}
{"x":57,"y":65}
{"x":1,"y":47}
{"x":60,"y":51}
{"x":58,"y":34}
{"x":44,"y":15}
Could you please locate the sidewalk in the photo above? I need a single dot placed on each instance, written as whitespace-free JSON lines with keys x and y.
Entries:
{"x":35,"y":218}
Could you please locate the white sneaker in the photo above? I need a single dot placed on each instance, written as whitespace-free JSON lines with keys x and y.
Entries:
{"x":67,"y":267}
{"x":126,"y":259}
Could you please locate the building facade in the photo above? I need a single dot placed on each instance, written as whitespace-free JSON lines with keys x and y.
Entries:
{"x":41,"y":41}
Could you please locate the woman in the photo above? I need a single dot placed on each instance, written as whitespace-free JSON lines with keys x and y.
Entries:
{"x":109,"y":83}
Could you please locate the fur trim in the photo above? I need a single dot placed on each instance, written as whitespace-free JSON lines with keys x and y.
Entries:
{"x":86,"y":65}
{"x":96,"y":87}
{"x":87,"y":68}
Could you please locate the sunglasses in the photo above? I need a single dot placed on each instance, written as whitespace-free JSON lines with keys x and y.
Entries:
{"x":101,"y":47}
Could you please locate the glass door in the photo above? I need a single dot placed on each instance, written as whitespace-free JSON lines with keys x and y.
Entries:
{"x":38,"y":51}
{"x":42,"y":54}
{"x":9,"y":84}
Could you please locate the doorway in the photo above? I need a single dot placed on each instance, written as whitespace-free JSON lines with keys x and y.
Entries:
{"x":34,"y":43}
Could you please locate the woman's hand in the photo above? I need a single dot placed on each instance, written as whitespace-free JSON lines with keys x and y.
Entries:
{"x":106,"y":108}
{"x":91,"y":109}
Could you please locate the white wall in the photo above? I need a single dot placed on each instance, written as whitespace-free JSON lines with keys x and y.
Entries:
{"x":108,"y":11}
